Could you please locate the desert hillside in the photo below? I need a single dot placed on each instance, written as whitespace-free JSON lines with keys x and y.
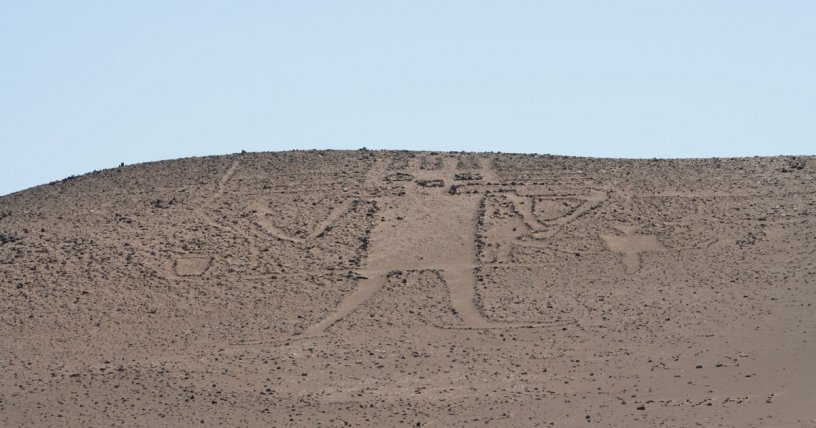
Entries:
{"x":332,"y":288}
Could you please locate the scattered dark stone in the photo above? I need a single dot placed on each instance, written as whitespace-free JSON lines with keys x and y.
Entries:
{"x":751,"y":240}
{"x":641,"y":408}
{"x":467,"y":176}
{"x":352,"y":275}
{"x":794,"y":164}
{"x":431,"y":183}
{"x":399,"y":176}
{"x":431,"y":163}
{"x":325,"y":231}
{"x":158,"y":203}
{"x":6,"y":238}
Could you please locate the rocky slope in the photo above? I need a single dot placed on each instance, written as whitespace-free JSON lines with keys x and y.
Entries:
{"x":412,"y":288}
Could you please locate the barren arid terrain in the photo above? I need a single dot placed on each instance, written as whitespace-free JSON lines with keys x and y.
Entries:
{"x":373,"y":288}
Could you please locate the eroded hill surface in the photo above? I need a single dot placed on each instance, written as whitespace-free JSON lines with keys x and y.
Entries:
{"x":406,"y":288}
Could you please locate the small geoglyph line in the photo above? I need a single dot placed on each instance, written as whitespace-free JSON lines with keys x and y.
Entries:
{"x":226,"y":178}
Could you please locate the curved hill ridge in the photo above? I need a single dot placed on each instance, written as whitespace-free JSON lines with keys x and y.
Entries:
{"x":412,"y":288}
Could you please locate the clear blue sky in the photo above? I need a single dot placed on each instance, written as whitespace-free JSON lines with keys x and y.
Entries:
{"x":87,"y":84}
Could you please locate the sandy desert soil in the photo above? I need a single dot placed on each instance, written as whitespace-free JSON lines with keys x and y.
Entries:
{"x":331,"y":288}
